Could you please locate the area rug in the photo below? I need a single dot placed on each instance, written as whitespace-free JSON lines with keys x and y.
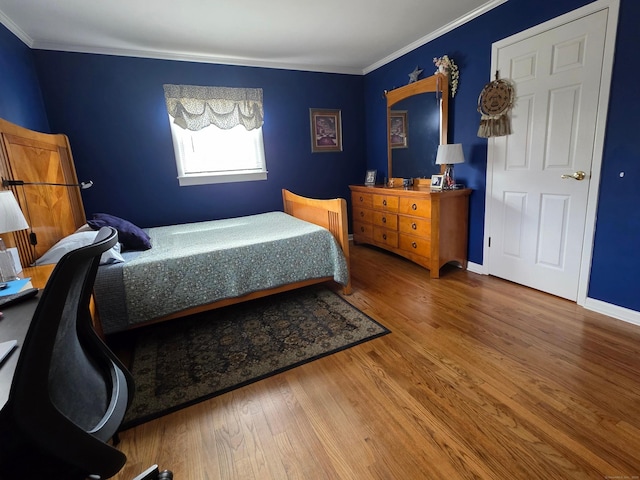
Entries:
{"x":182,"y":362}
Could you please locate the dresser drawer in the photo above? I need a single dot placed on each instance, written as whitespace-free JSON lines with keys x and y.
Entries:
{"x":362,"y":214}
{"x":416,"y":245}
{"x":415,"y":226}
{"x":386,"y":220}
{"x":420,"y":207}
{"x":359,"y":199}
{"x":385,"y":202}
{"x":385,"y":237}
{"x":362,"y":231}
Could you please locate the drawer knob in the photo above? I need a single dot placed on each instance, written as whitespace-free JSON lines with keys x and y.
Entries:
{"x":361,"y":199}
{"x":414,"y":207}
{"x":362,"y":229}
{"x":384,"y":202}
{"x":384,"y":236}
{"x":414,"y":226}
{"x":361,"y":213}
{"x":414,"y":244}
{"x":384,"y":219}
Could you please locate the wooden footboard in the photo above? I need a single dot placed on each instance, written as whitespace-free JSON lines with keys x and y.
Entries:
{"x":330,"y":214}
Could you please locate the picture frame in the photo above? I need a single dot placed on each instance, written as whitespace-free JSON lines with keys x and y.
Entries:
{"x":398,"y":129}
{"x":326,"y":130}
{"x":370,"y":178}
{"x":436,"y":182}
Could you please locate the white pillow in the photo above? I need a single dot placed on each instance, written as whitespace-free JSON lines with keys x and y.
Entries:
{"x":77,"y":240}
{"x":85,"y":228}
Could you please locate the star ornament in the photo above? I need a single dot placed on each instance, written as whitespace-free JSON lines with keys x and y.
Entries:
{"x":413,"y":76}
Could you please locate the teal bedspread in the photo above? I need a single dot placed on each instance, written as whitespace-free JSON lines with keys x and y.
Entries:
{"x":199,"y":263}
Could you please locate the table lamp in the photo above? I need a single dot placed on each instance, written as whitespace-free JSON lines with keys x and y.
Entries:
{"x":449,"y":154}
{"x":11,"y":219}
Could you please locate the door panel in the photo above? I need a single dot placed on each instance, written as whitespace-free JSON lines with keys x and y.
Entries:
{"x":537,"y":220}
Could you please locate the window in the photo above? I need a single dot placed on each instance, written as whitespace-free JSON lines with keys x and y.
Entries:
{"x":217,"y":133}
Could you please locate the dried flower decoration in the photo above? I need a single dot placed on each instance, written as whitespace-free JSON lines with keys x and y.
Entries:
{"x":448,"y":67}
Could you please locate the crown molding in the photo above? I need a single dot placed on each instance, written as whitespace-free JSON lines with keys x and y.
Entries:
{"x":197,"y":58}
{"x":438,"y":33}
{"x":16,"y":30}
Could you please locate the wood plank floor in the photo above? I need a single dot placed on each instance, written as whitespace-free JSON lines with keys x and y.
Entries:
{"x":480,"y":378}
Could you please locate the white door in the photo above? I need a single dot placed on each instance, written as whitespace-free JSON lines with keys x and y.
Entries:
{"x":537,"y":196}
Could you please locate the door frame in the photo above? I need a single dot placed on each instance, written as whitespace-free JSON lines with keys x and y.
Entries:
{"x":613,"y":7}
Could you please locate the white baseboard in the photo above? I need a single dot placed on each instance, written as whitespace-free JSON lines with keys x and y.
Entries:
{"x":476,"y":268}
{"x":609,"y":309}
{"x":621,"y":313}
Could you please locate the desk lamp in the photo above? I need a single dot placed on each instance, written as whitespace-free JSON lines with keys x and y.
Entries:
{"x":11,"y":219}
{"x":449,"y":154}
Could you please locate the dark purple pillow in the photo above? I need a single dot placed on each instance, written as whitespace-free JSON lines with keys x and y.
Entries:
{"x":130,"y":236}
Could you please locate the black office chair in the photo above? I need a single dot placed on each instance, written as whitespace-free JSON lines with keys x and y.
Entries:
{"x":70,"y":392}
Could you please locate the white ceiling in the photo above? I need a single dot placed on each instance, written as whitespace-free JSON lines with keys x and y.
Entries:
{"x":338,"y":36}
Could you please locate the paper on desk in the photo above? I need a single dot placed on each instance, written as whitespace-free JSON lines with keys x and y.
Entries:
{"x":14,"y":286}
{"x":13,"y":251}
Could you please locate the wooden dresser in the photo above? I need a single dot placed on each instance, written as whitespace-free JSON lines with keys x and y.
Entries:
{"x":429,"y":227}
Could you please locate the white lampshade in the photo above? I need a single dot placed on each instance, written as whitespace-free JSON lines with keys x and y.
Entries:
{"x":448,"y":154}
{"x":11,"y":217}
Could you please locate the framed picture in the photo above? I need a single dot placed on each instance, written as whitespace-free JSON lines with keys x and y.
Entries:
{"x":326,"y":130}
{"x":436,"y":182}
{"x":370,"y":177}
{"x":398,"y":128}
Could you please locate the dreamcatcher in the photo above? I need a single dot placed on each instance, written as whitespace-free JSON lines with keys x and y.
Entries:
{"x":494,"y":102}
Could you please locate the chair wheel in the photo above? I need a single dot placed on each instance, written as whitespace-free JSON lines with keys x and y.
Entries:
{"x":165,"y":475}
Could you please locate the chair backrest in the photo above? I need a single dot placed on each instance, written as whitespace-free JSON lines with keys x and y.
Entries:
{"x":70,"y":392}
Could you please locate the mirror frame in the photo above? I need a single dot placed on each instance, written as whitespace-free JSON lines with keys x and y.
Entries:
{"x":439,"y":84}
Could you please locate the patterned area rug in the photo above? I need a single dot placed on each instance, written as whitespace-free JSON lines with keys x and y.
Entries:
{"x":178,"y":363}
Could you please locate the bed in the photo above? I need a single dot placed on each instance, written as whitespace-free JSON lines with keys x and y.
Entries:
{"x":213,"y":262}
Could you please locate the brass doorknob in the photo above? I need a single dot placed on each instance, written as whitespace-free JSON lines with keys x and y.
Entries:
{"x":579,"y":175}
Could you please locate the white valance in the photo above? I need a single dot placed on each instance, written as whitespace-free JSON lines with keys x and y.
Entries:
{"x":194,"y":108}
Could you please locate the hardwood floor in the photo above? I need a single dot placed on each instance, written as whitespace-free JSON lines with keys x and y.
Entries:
{"x":480,"y":378}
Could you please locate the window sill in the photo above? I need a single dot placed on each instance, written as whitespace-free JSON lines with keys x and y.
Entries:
{"x":186,"y":181}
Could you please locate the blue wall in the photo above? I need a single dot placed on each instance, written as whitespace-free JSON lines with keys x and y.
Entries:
{"x":20,"y":96}
{"x":616,"y":255}
{"x":616,"y":258}
{"x":112,"y":109}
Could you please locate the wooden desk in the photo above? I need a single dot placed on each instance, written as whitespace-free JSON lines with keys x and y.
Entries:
{"x":15,"y":323}
{"x":13,"y":326}
{"x":39,"y":275}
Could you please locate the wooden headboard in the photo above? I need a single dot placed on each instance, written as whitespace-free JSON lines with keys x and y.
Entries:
{"x":52,"y":212}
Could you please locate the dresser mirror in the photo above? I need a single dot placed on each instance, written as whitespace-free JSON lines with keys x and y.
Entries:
{"x":416,"y":124}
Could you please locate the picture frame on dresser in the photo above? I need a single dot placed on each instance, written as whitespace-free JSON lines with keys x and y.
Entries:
{"x":326,"y":130}
{"x":436,"y":182}
{"x":370,"y":177}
